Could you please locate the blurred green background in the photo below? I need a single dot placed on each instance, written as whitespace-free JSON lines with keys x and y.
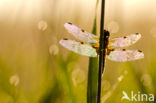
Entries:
{"x":34,"y":68}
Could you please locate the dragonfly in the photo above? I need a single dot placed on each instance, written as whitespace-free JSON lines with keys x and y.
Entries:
{"x":88,"y":45}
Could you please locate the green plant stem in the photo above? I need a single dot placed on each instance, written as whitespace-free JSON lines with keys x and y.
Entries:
{"x":93,"y":71}
{"x":92,"y":75}
{"x":102,"y":50}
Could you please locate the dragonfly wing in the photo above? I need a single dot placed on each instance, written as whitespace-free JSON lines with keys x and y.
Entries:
{"x":80,"y":34}
{"x":78,"y":47}
{"x":125,"y":41}
{"x":122,"y":55}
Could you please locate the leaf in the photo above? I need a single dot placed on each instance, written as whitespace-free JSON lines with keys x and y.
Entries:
{"x":92,"y":80}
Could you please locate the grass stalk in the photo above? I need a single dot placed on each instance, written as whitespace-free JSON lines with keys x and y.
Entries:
{"x":102,"y":51}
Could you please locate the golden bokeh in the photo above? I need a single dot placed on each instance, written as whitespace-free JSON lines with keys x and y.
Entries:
{"x":34,"y":68}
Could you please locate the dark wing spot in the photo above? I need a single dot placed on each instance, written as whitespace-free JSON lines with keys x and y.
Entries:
{"x":82,"y":42}
{"x":69,"y":23}
{"x":65,"y":39}
{"x":112,"y":49}
{"x":139,"y":51}
{"x":124,"y":37}
{"x":82,"y":30}
{"x":137,"y":33}
{"x":123,"y":49}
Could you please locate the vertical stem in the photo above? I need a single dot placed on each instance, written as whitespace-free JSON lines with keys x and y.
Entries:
{"x":102,"y":50}
{"x":92,"y":86}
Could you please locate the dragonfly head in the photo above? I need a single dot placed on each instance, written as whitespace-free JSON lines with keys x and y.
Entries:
{"x":106,"y":32}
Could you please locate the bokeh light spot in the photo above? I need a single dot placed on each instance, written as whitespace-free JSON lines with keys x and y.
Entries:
{"x":146,"y":80}
{"x":105,"y":85}
{"x":53,"y":49}
{"x":120,"y":78}
{"x":113,"y":27}
{"x":14,"y":80}
{"x":42,"y":25}
{"x":78,"y":76}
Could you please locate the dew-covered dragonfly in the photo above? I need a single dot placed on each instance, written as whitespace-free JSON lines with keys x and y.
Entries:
{"x":88,"y":45}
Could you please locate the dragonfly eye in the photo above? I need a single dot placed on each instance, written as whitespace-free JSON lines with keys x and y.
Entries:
{"x":106,"y":33}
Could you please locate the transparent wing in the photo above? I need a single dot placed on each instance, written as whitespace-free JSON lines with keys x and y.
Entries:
{"x":122,"y":55}
{"x":80,"y":34}
{"x":125,"y":41}
{"x":78,"y":47}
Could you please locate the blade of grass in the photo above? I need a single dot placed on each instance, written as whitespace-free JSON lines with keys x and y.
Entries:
{"x":92,"y":76}
{"x":92,"y":72}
